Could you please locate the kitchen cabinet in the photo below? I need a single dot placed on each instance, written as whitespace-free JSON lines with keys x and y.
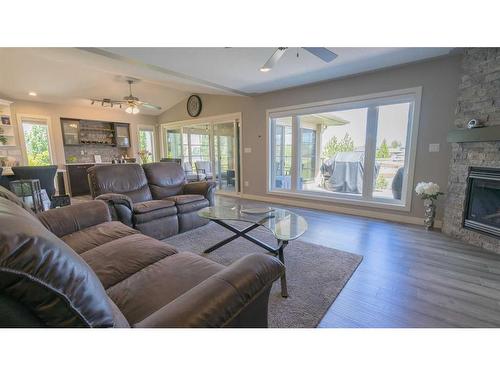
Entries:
{"x":122,"y":134}
{"x":71,"y":131}
{"x":77,"y":132}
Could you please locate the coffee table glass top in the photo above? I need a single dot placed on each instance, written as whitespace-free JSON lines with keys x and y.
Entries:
{"x":284,"y":224}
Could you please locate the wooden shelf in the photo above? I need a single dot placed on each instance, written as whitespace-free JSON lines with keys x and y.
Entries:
{"x":485,"y":134}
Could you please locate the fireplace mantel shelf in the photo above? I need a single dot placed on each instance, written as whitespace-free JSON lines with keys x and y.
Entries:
{"x":486,"y":134}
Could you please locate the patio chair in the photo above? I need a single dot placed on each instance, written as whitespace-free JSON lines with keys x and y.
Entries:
{"x":173,"y":160}
{"x":204,"y":168}
{"x":190,"y":174}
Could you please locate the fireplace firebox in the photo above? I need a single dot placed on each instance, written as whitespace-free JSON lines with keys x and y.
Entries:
{"x":482,"y":210}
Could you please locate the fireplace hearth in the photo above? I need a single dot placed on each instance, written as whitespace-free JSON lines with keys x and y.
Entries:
{"x":482,"y":209}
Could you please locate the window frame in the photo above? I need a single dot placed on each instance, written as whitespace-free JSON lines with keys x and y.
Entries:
{"x":413,"y":95}
{"x":148,"y":128}
{"x":24,"y":151}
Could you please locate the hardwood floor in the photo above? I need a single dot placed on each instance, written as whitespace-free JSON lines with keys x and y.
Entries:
{"x":409,"y":277}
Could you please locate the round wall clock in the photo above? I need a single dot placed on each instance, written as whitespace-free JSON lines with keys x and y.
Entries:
{"x":194,"y":105}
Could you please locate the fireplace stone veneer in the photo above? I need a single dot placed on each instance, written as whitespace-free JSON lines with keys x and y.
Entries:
{"x":479,"y":98}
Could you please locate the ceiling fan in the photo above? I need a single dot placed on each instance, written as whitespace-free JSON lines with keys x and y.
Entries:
{"x":131,"y":102}
{"x":323,"y":53}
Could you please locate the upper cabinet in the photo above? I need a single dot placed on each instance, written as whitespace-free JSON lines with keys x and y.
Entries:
{"x":70,"y":131}
{"x":122,"y":135}
{"x":83,"y":132}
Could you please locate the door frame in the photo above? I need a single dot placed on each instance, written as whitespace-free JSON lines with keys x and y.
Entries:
{"x":152,"y":128}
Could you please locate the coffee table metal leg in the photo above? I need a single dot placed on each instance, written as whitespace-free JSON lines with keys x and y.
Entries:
{"x":281,"y":256}
{"x":243,"y":233}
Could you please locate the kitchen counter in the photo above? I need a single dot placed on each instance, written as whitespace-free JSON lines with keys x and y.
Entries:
{"x":7,"y":171}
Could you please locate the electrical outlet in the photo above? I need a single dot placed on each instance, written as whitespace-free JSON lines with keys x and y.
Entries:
{"x":246,"y":183}
{"x":434,"y":147}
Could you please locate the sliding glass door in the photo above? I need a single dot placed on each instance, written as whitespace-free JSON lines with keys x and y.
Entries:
{"x":225,"y":156}
{"x":209,"y":150}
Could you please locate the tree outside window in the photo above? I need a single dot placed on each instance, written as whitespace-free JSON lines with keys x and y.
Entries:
{"x":36,"y":138}
{"x":146,"y":146}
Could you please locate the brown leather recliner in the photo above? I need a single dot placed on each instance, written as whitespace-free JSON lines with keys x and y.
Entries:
{"x":159,"y":202}
{"x":167,"y":181}
{"x":74,"y":267}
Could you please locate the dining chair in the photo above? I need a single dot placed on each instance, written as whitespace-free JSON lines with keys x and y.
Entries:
{"x":46,"y":174}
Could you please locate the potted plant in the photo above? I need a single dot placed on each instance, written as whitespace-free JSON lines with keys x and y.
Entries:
{"x":145,"y":156}
{"x":3,"y":138}
{"x":429,"y":192}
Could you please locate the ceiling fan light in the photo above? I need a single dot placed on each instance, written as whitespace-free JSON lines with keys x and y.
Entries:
{"x":135,"y":110}
{"x":129,"y":109}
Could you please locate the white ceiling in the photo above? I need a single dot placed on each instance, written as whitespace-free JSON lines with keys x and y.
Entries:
{"x":73,"y":76}
{"x":237,"y":69}
{"x":168,"y":75}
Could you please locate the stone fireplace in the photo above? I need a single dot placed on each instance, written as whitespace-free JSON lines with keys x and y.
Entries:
{"x":472,"y":209}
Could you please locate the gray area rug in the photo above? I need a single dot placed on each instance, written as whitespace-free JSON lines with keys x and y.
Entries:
{"x":315,"y":274}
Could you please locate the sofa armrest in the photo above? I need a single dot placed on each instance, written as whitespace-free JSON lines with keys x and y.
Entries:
{"x":120,"y":207}
{"x":69,"y":219}
{"x":205,"y":188}
{"x":221,"y":298}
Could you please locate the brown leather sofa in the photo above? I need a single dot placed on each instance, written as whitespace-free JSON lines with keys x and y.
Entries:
{"x":74,"y":267}
{"x":153,"y":198}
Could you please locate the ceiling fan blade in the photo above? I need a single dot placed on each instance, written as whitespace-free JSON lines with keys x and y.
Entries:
{"x":150,"y":106}
{"x":273,"y":59}
{"x":323,"y":53}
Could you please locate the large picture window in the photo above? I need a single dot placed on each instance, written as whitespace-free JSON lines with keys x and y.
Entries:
{"x":358,"y":150}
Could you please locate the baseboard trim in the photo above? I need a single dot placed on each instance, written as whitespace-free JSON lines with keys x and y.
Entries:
{"x":343,"y":210}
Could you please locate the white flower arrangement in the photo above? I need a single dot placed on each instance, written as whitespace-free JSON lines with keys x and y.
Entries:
{"x":428,"y":190}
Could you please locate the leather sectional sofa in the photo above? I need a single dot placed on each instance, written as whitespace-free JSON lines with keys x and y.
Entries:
{"x":75,"y":267}
{"x":154,"y":198}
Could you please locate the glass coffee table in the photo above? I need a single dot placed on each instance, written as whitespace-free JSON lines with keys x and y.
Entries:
{"x":283,"y":224}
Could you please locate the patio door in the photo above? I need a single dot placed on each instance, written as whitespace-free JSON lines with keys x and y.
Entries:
{"x":225,"y":141}
{"x":215,"y":141}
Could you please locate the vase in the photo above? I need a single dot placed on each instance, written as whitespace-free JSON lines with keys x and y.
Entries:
{"x":430,"y":213}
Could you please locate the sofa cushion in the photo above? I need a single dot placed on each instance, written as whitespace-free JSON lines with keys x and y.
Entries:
{"x":44,"y":274}
{"x":127,"y":179}
{"x":74,"y":218}
{"x":189,"y":202}
{"x":165,"y":179}
{"x":119,"y":259}
{"x":164,"y":283}
{"x":7,"y":194}
{"x":148,"y":211}
{"x":149,"y":206}
{"x":97,"y":235}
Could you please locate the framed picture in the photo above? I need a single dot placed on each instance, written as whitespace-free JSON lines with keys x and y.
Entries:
{"x":5,"y":120}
